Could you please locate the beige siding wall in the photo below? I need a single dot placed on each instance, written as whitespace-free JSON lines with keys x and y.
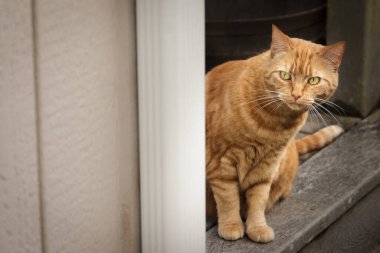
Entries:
{"x":86,"y":106}
{"x":19,"y":205}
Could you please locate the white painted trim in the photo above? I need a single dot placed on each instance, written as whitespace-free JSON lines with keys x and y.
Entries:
{"x":170,"y":38}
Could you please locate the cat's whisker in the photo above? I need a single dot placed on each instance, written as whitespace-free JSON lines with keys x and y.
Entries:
{"x":338,"y":110}
{"x":258,"y":98}
{"x":263,"y":100}
{"x":278,"y":106}
{"x":315,"y":119}
{"x":264,"y":104}
{"x":329,"y":102}
{"x":312,"y":115}
{"x":264,"y":96}
{"x":326,"y":110}
{"x":269,"y":103}
{"x":267,"y":91}
{"x":309,"y":114}
{"x":252,"y":101}
{"x":267,"y":99}
{"x":336,"y":107}
{"x":257,"y":91}
{"x":320,"y":116}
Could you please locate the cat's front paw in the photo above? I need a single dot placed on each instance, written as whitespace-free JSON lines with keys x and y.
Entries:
{"x":261,"y":234}
{"x":231,"y":232}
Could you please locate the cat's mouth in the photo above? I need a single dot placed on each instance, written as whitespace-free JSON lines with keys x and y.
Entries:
{"x":297,"y":105}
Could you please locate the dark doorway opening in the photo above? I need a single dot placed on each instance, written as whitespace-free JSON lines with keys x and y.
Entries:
{"x":242,"y":28}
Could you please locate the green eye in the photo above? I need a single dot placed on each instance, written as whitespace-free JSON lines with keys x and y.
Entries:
{"x":285,"y":75}
{"x":314,"y":80}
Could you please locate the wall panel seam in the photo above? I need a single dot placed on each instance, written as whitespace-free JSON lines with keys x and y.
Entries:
{"x":37,"y":107}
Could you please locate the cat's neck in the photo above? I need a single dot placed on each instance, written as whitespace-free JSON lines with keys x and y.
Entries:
{"x":269,"y":112}
{"x":282,"y":115}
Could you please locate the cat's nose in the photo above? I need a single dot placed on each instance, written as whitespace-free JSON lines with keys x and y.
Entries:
{"x":296,"y":95}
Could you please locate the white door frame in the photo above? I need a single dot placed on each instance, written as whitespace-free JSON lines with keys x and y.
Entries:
{"x":171,"y":65}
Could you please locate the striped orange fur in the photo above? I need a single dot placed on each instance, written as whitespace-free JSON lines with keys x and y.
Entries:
{"x":318,"y":140}
{"x":254,"y":108}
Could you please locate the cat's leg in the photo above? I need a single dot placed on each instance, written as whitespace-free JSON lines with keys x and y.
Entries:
{"x":210,"y":203}
{"x":226,"y":193}
{"x":279,"y":190}
{"x":257,"y":228}
{"x":282,"y":186}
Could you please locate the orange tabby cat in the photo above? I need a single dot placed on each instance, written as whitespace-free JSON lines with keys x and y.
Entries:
{"x":255,"y":107}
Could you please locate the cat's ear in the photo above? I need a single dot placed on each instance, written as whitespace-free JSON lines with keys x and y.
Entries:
{"x":333,"y":54}
{"x":280,"y":42}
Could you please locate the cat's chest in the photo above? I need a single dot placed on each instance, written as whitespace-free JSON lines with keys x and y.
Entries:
{"x":274,"y":131}
{"x":251,"y":161}
{"x":257,"y":153}
{"x":267,"y":140}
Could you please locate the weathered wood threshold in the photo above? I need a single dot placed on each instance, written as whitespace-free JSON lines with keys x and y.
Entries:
{"x":327,"y":186}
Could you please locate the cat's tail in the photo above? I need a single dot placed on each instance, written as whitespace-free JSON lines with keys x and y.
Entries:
{"x":319,"y":139}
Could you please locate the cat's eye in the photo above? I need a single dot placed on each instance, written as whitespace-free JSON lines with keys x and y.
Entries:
{"x":314,"y":80}
{"x":285,"y":75}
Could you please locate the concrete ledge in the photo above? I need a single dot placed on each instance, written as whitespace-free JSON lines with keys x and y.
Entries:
{"x":327,"y":185}
{"x":358,"y":230}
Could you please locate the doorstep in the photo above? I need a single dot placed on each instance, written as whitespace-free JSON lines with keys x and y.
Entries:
{"x":327,"y":185}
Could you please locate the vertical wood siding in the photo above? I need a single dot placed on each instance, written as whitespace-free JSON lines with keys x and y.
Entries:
{"x":86,"y":105}
{"x":19,"y":200}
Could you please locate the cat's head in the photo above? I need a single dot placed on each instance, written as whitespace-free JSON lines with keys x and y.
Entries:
{"x":302,"y":72}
